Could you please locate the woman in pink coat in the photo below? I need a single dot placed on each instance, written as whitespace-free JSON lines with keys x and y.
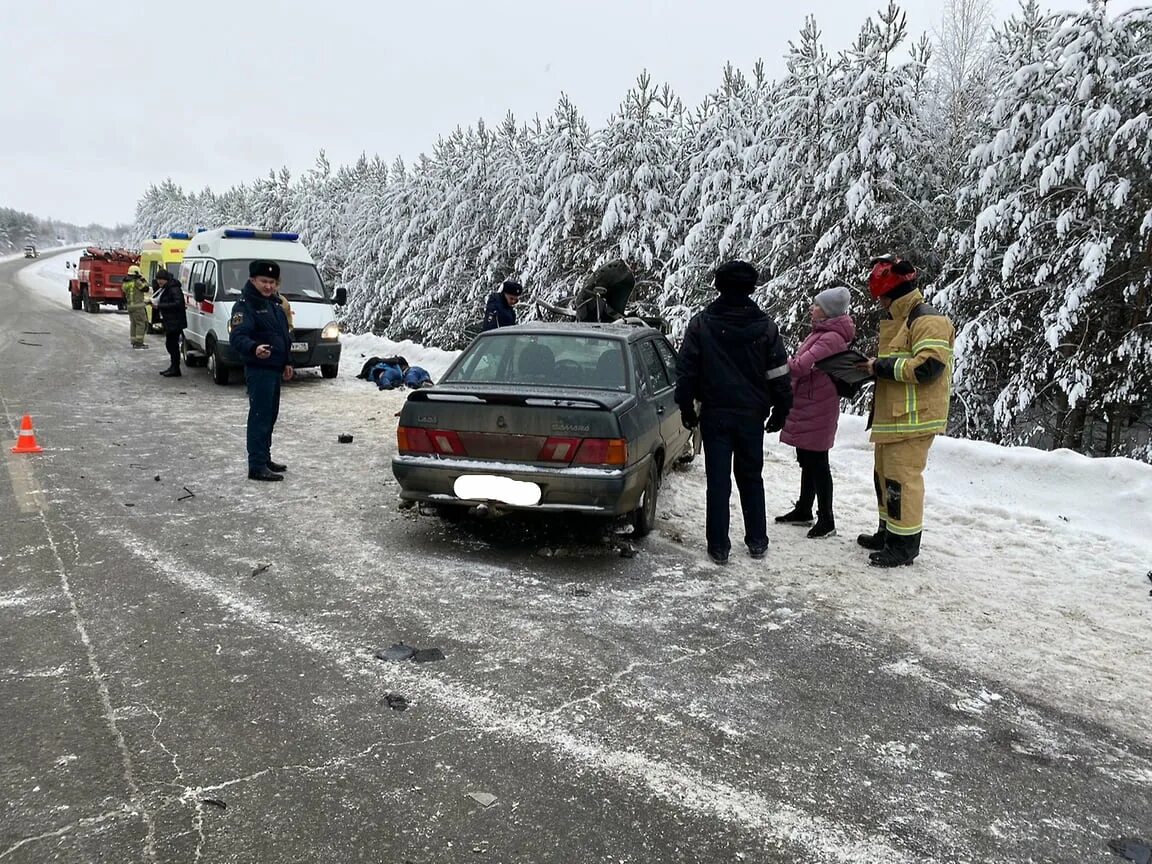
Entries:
{"x":811,"y":425}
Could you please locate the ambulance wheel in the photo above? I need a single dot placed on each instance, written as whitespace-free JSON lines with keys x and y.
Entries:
{"x":216,"y":367}
{"x":329,"y":370}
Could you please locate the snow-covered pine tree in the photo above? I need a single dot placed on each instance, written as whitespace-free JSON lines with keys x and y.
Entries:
{"x":568,"y":174}
{"x":515,"y":204}
{"x":873,"y":196}
{"x":271,"y":201}
{"x":712,"y":192}
{"x":639,"y":154}
{"x":1057,"y":303}
{"x":787,"y":183}
{"x":362,"y":229}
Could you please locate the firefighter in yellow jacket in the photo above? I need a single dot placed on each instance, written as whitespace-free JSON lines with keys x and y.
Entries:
{"x":913,"y":375}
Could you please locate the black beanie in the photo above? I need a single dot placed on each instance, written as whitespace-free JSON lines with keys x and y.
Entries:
{"x":736,"y":277}
{"x":264,"y":268}
{"x":513,"y":288}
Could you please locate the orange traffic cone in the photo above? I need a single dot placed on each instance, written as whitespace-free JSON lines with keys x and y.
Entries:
{"x":26,"y":443}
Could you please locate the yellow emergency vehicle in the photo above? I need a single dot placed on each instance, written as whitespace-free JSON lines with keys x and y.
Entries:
{"x":165,"y":252}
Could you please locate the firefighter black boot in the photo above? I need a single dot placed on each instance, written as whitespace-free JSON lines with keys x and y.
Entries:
{"x":899,"y":552}
{"x":876,"y":541}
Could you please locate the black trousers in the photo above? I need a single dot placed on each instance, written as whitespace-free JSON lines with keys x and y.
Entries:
{"x":263,"y":409}
{"x":172,"y":344}
{"x":815,"y":482}
{"x":733,"y":446}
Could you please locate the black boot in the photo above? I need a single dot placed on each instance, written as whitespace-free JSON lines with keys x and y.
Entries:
{"x":825,"y":523}
{"x":263,"y":474}
{"x":900,"y":551}
{"x":171,"y":372}
{"x":874,"y":541}
{"x":796,"y":516}
{"x":825,"y":527}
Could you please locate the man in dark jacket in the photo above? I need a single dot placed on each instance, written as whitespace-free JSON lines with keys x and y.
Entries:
{"x":170,"y":302}
{"x":500,"y":311}
{"x":734,"y":364}
{"x":259,"y":334}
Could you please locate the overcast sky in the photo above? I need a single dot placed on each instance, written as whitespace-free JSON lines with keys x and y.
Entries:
{"x":102,"y":97}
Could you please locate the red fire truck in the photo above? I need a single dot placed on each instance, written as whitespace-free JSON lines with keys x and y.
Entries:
{"x":99,"y":277}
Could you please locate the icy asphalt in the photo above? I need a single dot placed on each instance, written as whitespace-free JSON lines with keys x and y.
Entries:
{"x":187,"y":667}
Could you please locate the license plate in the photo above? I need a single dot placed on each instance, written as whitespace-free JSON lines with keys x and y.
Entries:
{"x":489,"y":487}
{"x":299,"y":347}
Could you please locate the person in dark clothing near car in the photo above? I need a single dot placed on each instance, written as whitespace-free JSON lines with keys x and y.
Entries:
{"x":259,"y":333}
{"x":501,"y":308}
{"x":170,"y":302}
{"x":733,"y":362}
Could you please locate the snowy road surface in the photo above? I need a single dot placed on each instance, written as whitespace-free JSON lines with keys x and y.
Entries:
{"x":187,"y":669}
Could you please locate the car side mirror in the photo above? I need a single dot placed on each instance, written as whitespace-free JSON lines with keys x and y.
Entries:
{"x":199,"y":291}
{"x":341,"y":296}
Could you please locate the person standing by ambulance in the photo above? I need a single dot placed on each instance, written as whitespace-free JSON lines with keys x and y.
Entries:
{"x":134,"y":288}
{"x":170,"y":303}
{"x":258,"y":331}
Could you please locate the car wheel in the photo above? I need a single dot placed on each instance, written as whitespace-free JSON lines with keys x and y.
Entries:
{"x":77,"y":302}
{"x":644,"y":516}
{"x":89,"y":306}
{"x":190,"y":360}
{"x":329,"y":370}
{"x":216,"y":366}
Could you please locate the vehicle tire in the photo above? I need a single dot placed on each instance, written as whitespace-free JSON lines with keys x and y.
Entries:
{"x":216,"y":367}
{"x":90,"y":306}
{"x":190,"y":360}
{"x":329,"y":370}
{"x":77,"y":301}
{"x":644,"y":516}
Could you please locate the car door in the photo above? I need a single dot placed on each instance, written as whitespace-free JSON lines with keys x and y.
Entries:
{"x":661,"y":392}
{"x":668,"y":355}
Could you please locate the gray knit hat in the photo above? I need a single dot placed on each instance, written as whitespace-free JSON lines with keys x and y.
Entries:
{"x":834,"y":301}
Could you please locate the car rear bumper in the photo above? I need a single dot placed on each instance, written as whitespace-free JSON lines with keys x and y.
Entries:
{"x":607,"y":492}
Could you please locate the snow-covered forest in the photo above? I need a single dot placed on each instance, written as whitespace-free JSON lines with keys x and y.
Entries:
{"x":1011,"y":161}
{"x":19,"y":229}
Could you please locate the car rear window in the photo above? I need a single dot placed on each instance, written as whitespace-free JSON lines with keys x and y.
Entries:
{"x":547,"y":360}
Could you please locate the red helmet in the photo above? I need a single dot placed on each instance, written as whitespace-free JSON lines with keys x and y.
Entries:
{"x":889,"y":273}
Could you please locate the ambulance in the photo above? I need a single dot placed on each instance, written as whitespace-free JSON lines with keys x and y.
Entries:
{"x":213,"y":275}
{"x":161,"y":253}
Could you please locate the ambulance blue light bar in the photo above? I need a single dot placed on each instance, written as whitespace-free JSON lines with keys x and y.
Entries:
{"x":179,"y":235}
{"x":250,"y":234}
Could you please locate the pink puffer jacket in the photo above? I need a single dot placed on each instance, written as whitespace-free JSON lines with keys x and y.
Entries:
{"x":815,"y":406}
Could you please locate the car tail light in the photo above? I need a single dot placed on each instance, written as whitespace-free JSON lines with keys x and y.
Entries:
{"x":438,"y":442}
{"x":602,"y":451}
{"x":559,"y":450}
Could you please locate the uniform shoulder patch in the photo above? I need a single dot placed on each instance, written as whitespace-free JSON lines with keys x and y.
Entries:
{"x":237,"y":319}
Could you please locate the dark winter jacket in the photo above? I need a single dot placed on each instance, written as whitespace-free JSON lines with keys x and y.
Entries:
{"x":498,"y":313}
{"x":171,"y":306}
{"x":733,"y":360}
{"x":259,"y":321}
{"x":815,"y":403}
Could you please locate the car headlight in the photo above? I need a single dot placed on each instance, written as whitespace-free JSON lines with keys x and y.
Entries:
{"x":331,"y":331}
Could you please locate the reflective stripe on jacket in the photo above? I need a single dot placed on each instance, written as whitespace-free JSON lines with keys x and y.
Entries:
{"x":913,"y":371}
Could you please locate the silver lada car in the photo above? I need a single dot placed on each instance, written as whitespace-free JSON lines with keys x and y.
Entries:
{"x":567,"y":417}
